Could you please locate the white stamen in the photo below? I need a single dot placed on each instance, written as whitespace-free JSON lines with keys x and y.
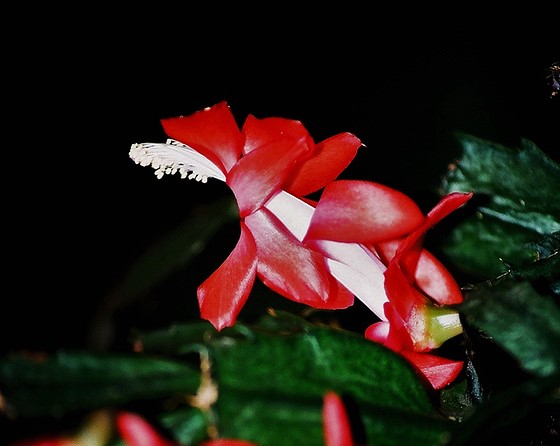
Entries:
{"x":173,"y":157}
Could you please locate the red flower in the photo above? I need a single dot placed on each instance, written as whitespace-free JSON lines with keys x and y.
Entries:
{"x":336,"y":425}
{"x":269,"y":165}
{"x":390,"y":228}
{"x":136,"y":431}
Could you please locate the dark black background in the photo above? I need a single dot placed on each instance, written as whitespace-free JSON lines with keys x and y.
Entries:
{"x":84,"y":86}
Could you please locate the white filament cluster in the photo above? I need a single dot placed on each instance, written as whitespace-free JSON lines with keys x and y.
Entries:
{"x":173,"y":157}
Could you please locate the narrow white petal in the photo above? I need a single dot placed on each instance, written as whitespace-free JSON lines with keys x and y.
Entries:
{"x":359,"y":270}
{"x":294,"y":213}
{"x":352,"y":264}
{"x":173,"y":157}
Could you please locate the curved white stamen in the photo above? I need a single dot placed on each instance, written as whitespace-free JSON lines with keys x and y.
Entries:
{"x":173,"y":157}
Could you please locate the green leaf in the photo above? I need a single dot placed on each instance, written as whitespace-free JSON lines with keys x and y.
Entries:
{"x":547,"y":265}
{"x":58,"y":385}
{"x":516,"y":198}
{"x":272,"y":377}
{"x":189,"y":425}
{"x":486,"y":247}
{"x":524,"y":414}
{"x":521,"y":321}
{"x":523,"y":184}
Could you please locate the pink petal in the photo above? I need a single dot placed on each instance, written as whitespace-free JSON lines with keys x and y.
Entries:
{"x":260,"y":132}
{"x":260,"y":173}
{"x":136,"y":431}
{"x":336,"y":425}
{"x":437,"y":370}
{"x":378,"y":332}
{"x":291,"y":269}
{"x":329,"y":159}
{"x":213,"y":132}
{"x":224,"y":293}
{"x":363,"y":212}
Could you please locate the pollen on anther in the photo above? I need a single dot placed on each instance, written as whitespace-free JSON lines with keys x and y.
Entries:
{"x":175,"y":157}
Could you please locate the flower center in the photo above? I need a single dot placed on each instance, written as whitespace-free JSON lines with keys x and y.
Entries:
{"x":173,"y":157}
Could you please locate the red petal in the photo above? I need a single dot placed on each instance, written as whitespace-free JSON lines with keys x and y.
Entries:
{"x":290,"y":268}
{"x":436,"y":281}
{"x":329,"y":159}
{"x":260,"y":132}
{"x":136,"y":431}
{"x":429,"y":274}
{"x":446,"y":205}
{"x":336,"y":425}
{"x":398,"y":338}
{"x":438,"y":371}
{"x":224,"y":293}
{"x":212,"y":132}
{"x":401,"y":293}
{"x":363,"y":212}
{"x":387,"y":249}
{"x":261,"y":172}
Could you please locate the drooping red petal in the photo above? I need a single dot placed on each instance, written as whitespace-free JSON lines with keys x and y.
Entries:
{"x":260,"y":132}
{"x":224,"y":293}
{"x":336,"y":425}
{"x":430,"y":275}
{"x":290,"y":268}
{"x":445,"y":206}
{"x":329,"y":159}
{"x":363,"y":212}
{"x":260,"y":173}
{"x":436,"y":281}
{"x":438,"y":371}
{"x":136,"y":431}
{"x":213,"y":132}
{"x":419,"y":265}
